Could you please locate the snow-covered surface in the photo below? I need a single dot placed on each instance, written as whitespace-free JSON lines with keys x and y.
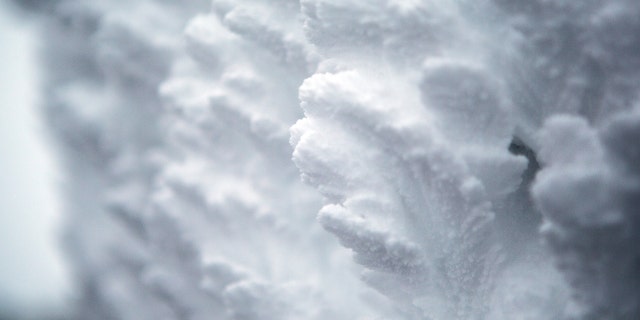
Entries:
{"x":225,"y":159}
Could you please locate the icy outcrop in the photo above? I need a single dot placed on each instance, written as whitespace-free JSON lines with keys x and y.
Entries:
{"x":589,"y":195}
{"x":227,"y":186}
{"x":183,"y":200}
{"x":413,"y":163}
{"x":421,"y":125}
{"x":414,"y":166}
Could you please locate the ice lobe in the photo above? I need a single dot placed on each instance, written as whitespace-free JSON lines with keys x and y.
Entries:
{"x":589,"y":195}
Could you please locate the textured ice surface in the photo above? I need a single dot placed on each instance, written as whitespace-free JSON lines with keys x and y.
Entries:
{"x":214,"y":148}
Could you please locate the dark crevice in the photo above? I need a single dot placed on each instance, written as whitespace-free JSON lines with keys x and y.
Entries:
{"x":518,"y":147}
{"x":517,"y":218}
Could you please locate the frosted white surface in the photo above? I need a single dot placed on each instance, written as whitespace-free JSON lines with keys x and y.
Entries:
{"x":343,"y":159}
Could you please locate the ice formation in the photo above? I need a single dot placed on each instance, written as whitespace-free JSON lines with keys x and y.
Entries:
{"x":216,"y":150}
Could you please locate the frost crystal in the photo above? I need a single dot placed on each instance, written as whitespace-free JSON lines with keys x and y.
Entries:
{"x":216,"y":150}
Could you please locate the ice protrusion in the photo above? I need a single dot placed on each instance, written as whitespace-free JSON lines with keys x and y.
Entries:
{"x":588,"y":194}
{"x":400,"y":194}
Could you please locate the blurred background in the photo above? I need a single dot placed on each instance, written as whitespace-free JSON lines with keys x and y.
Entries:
{"x":34,"y":281}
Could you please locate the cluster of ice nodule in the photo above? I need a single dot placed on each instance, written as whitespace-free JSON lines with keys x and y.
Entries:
{"x":473,"y":159}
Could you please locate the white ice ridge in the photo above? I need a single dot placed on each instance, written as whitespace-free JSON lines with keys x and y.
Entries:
{"x":186,"y":127}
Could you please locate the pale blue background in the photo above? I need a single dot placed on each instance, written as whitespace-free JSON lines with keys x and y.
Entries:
{"x":33,"y":277}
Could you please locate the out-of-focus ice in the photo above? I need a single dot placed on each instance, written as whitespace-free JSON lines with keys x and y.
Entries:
{"x":420,"y":125}
{"x":33,"y":281}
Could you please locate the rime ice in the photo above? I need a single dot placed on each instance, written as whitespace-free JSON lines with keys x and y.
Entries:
{"x":325,"y":159}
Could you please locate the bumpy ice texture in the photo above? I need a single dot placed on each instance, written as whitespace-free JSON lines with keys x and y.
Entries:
{"x":478,"y":158}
